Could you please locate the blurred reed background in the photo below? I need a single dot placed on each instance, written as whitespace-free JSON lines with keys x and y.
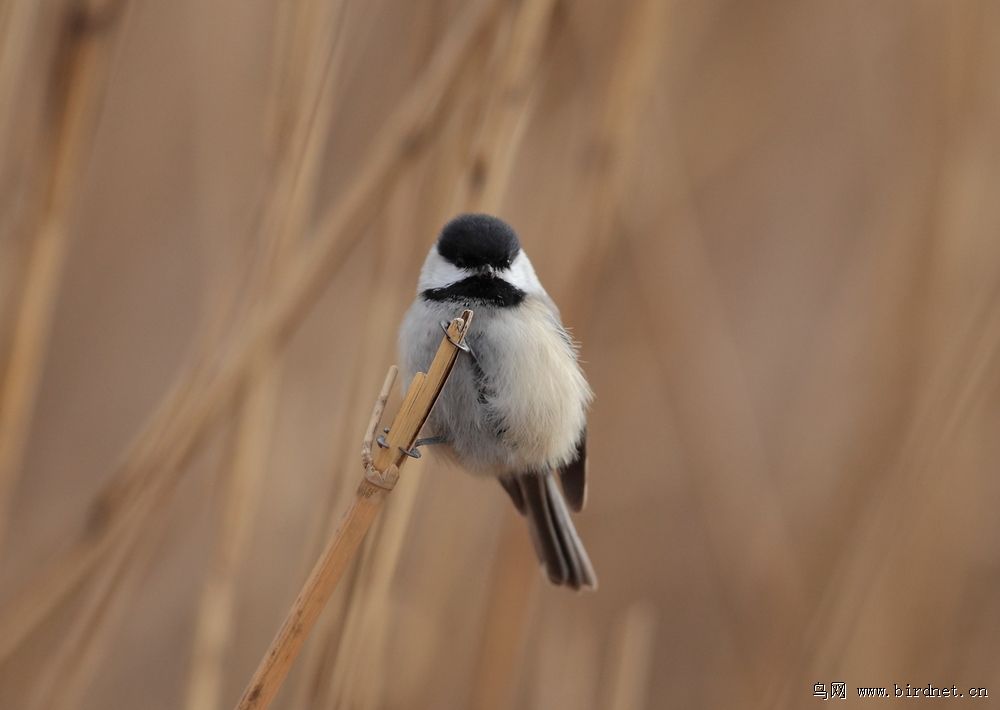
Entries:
{"x":769,"y":223}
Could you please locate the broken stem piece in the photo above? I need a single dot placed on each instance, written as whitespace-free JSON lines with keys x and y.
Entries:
{"x":381,"y":474}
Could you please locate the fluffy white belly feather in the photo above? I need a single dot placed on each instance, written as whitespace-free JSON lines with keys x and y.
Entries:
{"x":520,"y":404}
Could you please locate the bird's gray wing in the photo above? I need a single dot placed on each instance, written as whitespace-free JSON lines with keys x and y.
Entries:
{"x":513,"y":488}
{"x":573,"y":477}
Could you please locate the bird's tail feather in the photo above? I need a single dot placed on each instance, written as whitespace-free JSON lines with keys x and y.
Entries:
{"x":556,"y":541}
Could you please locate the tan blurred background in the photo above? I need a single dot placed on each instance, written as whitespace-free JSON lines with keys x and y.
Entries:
{"x":769,"y":223}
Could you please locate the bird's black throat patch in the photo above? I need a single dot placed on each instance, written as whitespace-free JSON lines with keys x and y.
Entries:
{"x":481,"y":288}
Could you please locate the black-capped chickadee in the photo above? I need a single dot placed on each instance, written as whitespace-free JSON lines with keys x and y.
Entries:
{"x":515,"y":408}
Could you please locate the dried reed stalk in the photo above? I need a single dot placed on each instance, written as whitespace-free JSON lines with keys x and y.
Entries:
{"x":61,"y":576}
{"x":291,"y":200}
{"x":947,"y":405}
{"x":332,"y":669}
{"x":81,"y":76}
{"x":382,"y":472}
{"x":361,"y":608}
{"x":679,"y":285}
{"x":206,"y":387}
{"x":616,"y":136}
{"x":631,"y":659}
{"x":86,"y":640}
{"x":956,"y":386}
{"x":952,"y":348}
{"x":566,"y":668}
{"x":353,"y":682}
{"x":17,"y":20}
{"x":320,"y":655}
{"x":241,"y":479}
{"x":511,"y":603}
{"x":486,"y":175}
{"x":66,"y":674}
{"x":512,"y":597}
{"x":508,"y":109}
{"x":499,"y":100}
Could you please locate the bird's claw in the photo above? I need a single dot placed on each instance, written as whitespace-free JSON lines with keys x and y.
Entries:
{"x":413,"y":452}
{"x":462,"y":344}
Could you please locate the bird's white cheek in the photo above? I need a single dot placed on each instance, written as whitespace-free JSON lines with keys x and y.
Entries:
{"x":522,"y":275}
{"x":438,"y":273}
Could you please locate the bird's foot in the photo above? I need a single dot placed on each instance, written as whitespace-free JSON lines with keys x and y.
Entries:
{"x":414,"y":452}
{"x":461,"y":345}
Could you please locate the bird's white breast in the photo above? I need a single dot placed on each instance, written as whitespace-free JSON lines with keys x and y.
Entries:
{"x":521,"y":405}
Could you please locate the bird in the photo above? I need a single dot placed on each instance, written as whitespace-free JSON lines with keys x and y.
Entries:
{"x":515,"y":407}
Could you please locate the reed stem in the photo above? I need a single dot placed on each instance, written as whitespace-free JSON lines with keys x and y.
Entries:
{"x":382,"y":472}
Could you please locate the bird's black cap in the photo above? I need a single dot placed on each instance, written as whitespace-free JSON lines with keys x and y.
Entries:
{"x":473,"y":241}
